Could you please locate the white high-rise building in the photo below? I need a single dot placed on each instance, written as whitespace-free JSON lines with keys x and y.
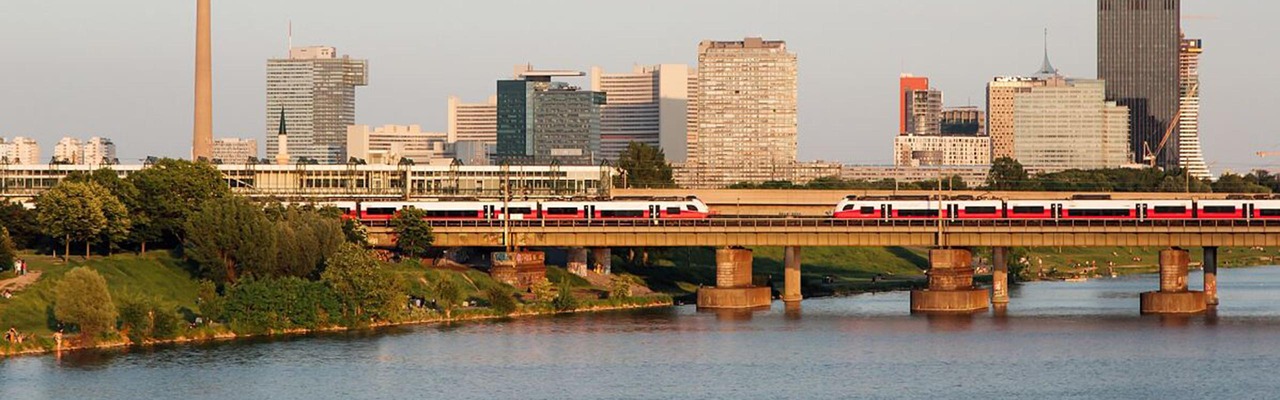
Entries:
{"x":20,"y":151}
{"x":648,"y":105}
{"x":1069,"y":124}
{"x":746,"y":113}
{"x":473,"y":122}
{"x":235,"y":150}
{"x":389,"y":144}
{"x":1190,"y":155}
{"x":317,"y":91}
{"x":99,"y":151}
{"x":69,"y":150}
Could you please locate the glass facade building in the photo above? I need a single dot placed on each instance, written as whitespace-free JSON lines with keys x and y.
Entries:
{"x":1138,"y":46}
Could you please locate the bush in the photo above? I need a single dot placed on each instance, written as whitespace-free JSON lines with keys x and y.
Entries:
{"x":363,"y":289}
{"x":165,"y":324}
{"x":81,"y":298}
{"x":210,"y":303}
{"x":135,"y":320}
{"x":266,"y":305}
{"x":448,"y":296}
{"x":564,"y":299}
{"x":502,"y":301}
{"x":620,"y":286}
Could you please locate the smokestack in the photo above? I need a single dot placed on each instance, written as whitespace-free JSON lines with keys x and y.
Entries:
{"x":202,"y":134}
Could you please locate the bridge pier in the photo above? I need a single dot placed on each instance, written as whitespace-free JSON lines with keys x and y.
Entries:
{"x":734,"y":288}
{"x":1000,"y":275}
{"x":1211,"y":275}
{"x":1173,"y":296}
{"x":950,"y":285}
{"x":602,"y":260}
{"x":791,"y":276}
{"x":577,"y":261}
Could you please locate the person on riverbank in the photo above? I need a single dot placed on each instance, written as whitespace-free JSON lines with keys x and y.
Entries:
{"x":11,"y":335}
{"x":57,"y":340}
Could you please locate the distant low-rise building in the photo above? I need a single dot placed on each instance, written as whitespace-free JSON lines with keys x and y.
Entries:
{"x":964,"y":121}
{"x":918,"y":150}
{"x":972,"y":175}
{"x":235,"y":150}
{"x":389,"y":144}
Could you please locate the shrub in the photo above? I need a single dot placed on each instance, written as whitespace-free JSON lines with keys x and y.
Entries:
{"x":81,"y":298}
{"x":266,"y":305}
{"x":211,"y":304}
{"x":135,"y":318}
{"x":502,"y":301}
{"x":564,"y":299}
{"x":620,"y":287}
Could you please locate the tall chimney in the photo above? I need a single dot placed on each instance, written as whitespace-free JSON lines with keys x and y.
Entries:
{"x":202,"y":134}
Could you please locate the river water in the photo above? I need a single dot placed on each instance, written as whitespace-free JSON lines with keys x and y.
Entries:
{"x":1057,"y":340}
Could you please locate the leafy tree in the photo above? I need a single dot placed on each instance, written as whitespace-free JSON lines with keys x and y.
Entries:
{"x":22,"y":224}
{"x":1232,"y":183}
{"x":448,"y":296}
{"x":118,"y":223}
{"x":542,"y":291}
{"x":304,"y":239}
{"x":502,"y":301}
{"x":354,"y":232}
{"x":361,"y":288}
{"x":169,"y":192}
{"x":81,"y":298}
{"x":413,"y":233}
{"x":565,"y":301}
{"x":211,"y":304}
{"x":645,"y":166}
{"x":71,"y":211}
{"x":8,"y":252}
{"x":143,"y":318}
{"x":1007,"y":174}
{"x":229,"y":236}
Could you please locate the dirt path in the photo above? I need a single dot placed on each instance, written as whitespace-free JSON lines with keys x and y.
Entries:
{"x":16,"y":284}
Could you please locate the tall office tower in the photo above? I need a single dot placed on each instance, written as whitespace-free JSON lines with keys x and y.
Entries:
{"x":1069,"y":124}
{"x":747,"y":116}
{"x":691,"y":121}
{"x":924,"y":112}
{"x":202,"y":132}
{"x":21,"y":151}
{"x":649,"y":105}
{"x":1189,"y":153}
{"x":473,"y":122}
{"x":964,"y":121}
{"x":69,"y":150}
{"x":235,"y":150}
{"x":540,"y":121}
{"x":99,"y":151}
{"x":1000,"y":95}
{"x":1138,"y":46}
{"x":317,"y":90}
{"x":908,"y":83}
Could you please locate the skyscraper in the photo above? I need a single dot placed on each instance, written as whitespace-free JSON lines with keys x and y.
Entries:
{"x":924,"y":111}
{"x":906,"y":84}
{"x":1189,"y":153}
{"x":649,"y":105}
{"x":1138,"y":46}
{"x":317,"y":90}
{"x":1068,"y":124}
{"x":747,"y":116}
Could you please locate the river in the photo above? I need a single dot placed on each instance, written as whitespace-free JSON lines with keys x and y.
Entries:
{"x":1057,"y":340}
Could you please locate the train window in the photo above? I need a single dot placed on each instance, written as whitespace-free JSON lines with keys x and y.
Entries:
{"x":562,"y":211}
{"x":847,"y":207}
{"x":673,"y":210}
{"x":1170,"y":209}
{"x":622,"y":213}
{"x":690,"y":207}
{"x":1099,"y":212}
{"x":380,"y":210}
{"x":519,"y":210}
{"x":451,"y":213}
{"x":1269,"y":212}
{"x":868,"y":210}
{"x":980,"y":210}
{"x":918,"y":213}
{"x":1219,"y":209}
{"x":1028,"y":210}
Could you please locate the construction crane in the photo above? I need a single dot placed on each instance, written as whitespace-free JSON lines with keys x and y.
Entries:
{"x":1265,"y":154}
{"x":1168,"y":132}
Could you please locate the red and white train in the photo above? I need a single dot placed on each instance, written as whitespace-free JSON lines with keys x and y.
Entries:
{"x":1093,"y":209}
{"x":634,"y":209}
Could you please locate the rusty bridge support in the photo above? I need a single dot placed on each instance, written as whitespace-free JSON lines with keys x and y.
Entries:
{"x":1000,"y":275}
{"x":791,"y":276}
{"x":1173,"y":296}
{"x":950,"y":285}
{"x":734,"y":288}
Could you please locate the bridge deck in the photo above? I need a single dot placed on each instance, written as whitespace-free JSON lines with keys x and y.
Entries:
{"x":830,"y":232}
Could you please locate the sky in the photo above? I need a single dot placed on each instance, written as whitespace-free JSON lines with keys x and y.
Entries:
{"x":124,"y":69}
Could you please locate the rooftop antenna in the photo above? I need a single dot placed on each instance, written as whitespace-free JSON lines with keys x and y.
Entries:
{"x":290,"y":37}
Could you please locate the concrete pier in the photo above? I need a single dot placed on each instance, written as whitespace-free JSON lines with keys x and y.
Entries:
{"x":602,"y":260}
{"x":1000,"y":275}
{"x":1211,"y":276}
{"x":791,"y":275}
{"x":733,"y":283}
{"x":950,"y":285}
{"x":577,"y":263}
{"x":1173,"y":296}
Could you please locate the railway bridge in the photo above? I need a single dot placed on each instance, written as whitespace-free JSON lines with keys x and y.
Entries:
{"x":950,"y":287}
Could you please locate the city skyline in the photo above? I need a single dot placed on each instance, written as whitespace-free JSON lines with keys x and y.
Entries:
{"x":843,"y":82}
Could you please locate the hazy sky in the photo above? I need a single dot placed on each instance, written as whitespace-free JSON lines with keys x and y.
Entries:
{"x":123,"y":69}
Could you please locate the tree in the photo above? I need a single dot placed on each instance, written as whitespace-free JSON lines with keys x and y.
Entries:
{"x":118,"y":223}
{"x":304,"y":239}
{"x":1007,"y":174}
{"x":502,"y":301}
{"x":564,"y":298}
{"x":211,"y":304}
{"x":413,"y":233}
{"x":81,"y":298}
{"x":1232,"y":183}
{"x":8,"y":252}
{"x":361,"y":288}
{"x":645,"y":166}
{"x":71,"y":211}
{"x":229,"y":236}
{"x":169,"y":191}
{"x":448,"y":296}
{"x":22,"y":224}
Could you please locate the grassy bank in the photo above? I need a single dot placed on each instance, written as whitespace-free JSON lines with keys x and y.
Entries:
{"x":1125,"y":260}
